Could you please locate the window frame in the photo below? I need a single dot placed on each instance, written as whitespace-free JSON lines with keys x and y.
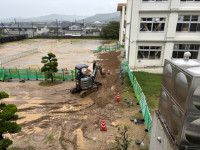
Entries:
{"x":152,"y":22}
{"x":149,"y":50}
{"x":181,"y":22}
{"x":186,"y":49}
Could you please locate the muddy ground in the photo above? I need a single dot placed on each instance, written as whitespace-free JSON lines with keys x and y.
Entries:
{"x":52,"y":118}
{"x":69,"y":52}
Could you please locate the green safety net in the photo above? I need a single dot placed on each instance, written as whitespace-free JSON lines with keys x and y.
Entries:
{"x":139,"y":94}
{"x":107,"y":48}
{"x":34,"y":74}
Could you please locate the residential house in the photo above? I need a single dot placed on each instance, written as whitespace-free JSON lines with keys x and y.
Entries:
{"x":23,"y":29}
{"x":42,"y":29}
{"x":95,"y":28}
{"x":76,"y":29}
{"x":54,"y":29}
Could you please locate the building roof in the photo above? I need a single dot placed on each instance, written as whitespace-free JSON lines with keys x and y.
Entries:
{"x":40,"y":25}
{"x":22,"y":26}
{"x":120,"y":5}
{"x":54,"y":27}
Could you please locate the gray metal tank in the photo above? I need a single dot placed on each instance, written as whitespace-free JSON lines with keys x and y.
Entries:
{"x":180,"y":101}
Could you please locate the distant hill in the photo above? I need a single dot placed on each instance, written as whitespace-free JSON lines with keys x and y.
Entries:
{"x":49,"y":18}
{"x":103,"y":17}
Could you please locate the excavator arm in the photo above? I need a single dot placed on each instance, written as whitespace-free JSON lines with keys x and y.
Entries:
{"x":96,"y":69}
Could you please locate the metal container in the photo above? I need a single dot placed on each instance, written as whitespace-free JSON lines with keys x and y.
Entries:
{"x":180,"y":100}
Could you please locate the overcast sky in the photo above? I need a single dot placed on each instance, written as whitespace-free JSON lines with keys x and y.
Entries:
{"x":35,"y":8}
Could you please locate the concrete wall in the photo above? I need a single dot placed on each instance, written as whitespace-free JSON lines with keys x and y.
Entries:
{"x":158,"y":130}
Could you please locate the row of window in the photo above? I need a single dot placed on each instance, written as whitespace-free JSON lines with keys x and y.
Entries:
{"x":154,"y":52}
{"x":189,"y":23}
{"x":167,"y":0}
{"x":152,"y":24}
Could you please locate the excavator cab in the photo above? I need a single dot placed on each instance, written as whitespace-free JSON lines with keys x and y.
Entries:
{"x":83,"y":81}
{"x":85,"y":84}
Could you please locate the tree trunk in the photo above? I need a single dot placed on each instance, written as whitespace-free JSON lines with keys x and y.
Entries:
{"x":1,"y":137}
{"x":51,"y":77}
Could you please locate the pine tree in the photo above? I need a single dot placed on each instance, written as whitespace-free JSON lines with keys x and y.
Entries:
{"x":7,"y":116}
{"x":50,"y":65}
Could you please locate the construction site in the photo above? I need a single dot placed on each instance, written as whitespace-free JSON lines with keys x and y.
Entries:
{"x":52,"y":117}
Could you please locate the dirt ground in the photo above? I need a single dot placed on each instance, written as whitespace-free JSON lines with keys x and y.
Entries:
{"x":69,"y":52}
{"x":53,"y":119}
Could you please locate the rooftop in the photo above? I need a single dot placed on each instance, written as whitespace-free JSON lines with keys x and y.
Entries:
{"x":120,"y":5}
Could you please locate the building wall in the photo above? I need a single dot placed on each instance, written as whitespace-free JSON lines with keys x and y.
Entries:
{"x":158,"y":130}
{"x":30,"y":33}
{"x":43,"y":30}
{"x":122,"y":29}
{"x":127,"y":26}
{"x":169,"y":10}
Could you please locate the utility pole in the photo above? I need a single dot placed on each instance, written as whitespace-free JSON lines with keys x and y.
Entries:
{"x":18,"y":28}
{"x":57,"y":27}
{"x":32,"y":29}
{"x":2,"y":28}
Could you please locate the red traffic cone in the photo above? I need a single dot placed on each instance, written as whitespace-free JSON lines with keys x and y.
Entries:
{"x":118,"y":97}
{"x":108,"y":71}
{"x":103,"y":126}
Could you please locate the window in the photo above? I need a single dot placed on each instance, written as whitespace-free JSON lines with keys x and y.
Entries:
{"x":152,"y":24}
{"x":180,"y":49}
{"x":190,"y":0}
{"x":149,"y":52}
{"x":188,"y":23}
{"x":154,"y":0}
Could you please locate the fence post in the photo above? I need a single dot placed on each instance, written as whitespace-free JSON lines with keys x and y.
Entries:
{"x":36,"y":75}
{"x":72,"y":71}
{"x":3,"y":74}
{"x":18,"y":73}
{"x":10,"y":73}
{"x":27,"y":74}
{"x":63,"y":75}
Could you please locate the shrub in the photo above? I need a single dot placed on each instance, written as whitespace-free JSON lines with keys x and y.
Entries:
{"x":3,"y":95}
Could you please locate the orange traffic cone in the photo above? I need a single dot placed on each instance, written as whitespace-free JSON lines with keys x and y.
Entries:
{"x":108,"y":71}
{"x":103,"y":126}
{"x":118,"y":97}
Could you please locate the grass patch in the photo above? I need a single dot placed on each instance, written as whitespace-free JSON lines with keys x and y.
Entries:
{"x":137,"y":116}
{"x":50,"y":138}
{"x":150,"y":84}
{"x":49,"y":83}
{"x":127,"y":92}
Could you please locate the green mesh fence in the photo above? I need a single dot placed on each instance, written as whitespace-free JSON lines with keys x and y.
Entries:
{"x":107,"y":48}
{"x":34,"y":74}
{"x":139,"y":94}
